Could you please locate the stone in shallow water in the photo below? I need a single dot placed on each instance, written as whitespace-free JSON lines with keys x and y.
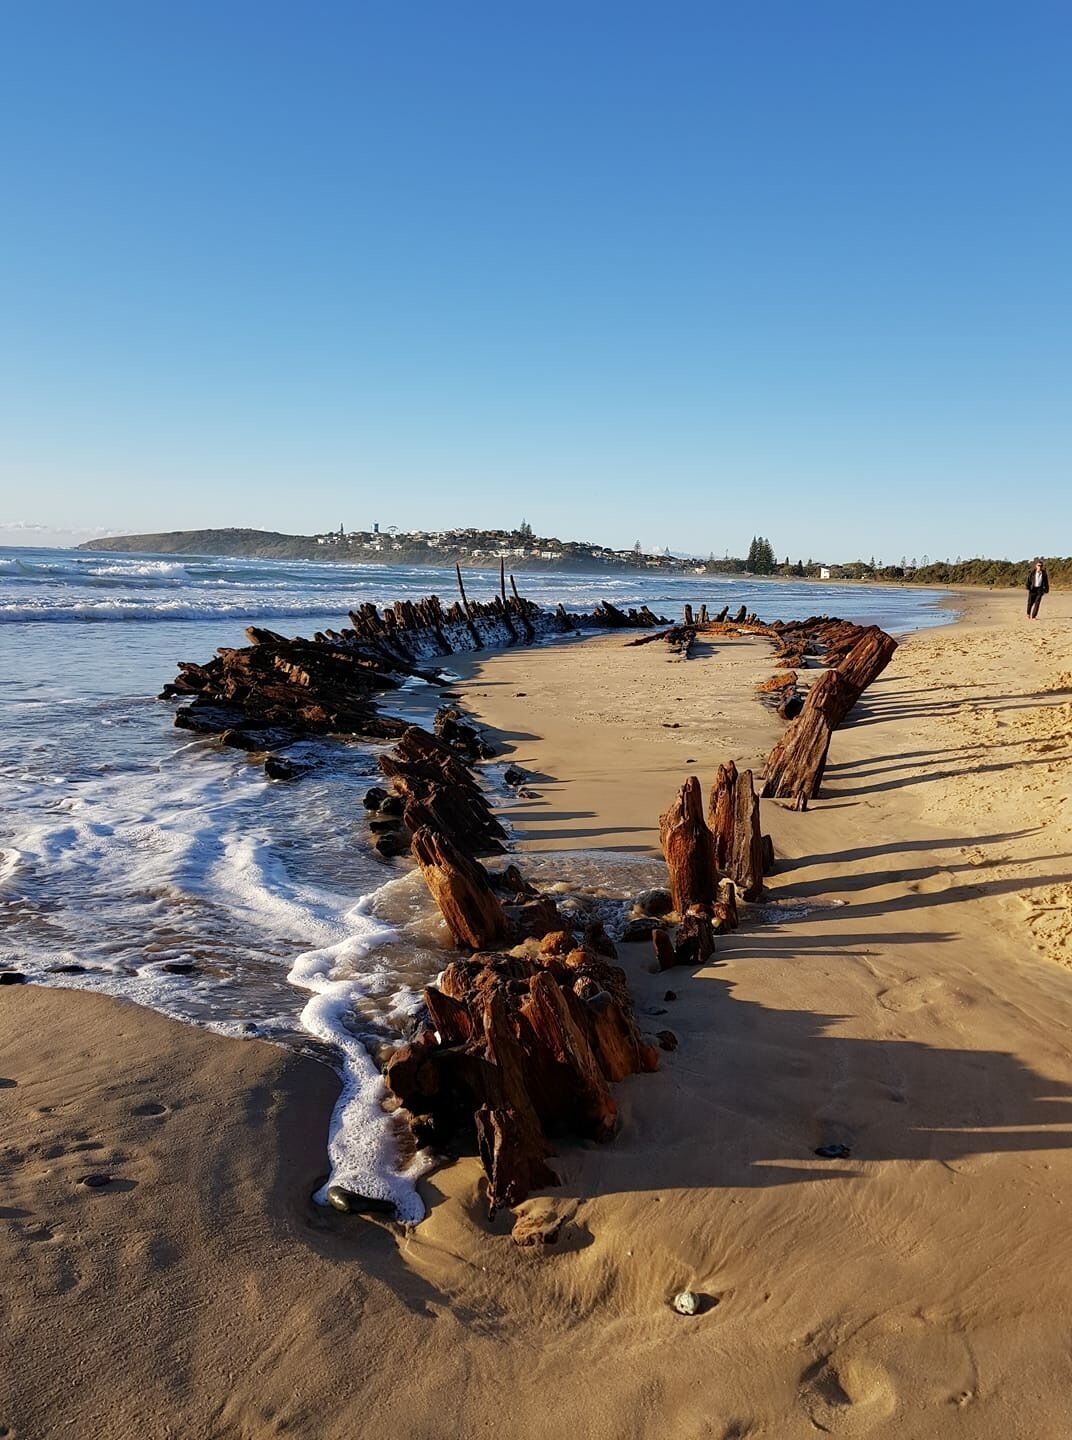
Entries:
{"x":12,"y":977}
{"x":179,"y":967}
{"x":348,"y":1202}
{"x":686,"y":1302}
{"x":277,"y":767}
{"x":654,"y":902}
{"x":833,"y":1152}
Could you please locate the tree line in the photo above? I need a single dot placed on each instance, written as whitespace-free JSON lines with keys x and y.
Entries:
{"x":761,"y":560}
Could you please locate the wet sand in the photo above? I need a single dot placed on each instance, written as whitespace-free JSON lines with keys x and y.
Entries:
{"x":906,"y":992}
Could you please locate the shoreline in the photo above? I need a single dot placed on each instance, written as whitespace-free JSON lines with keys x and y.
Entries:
{"x":891,"y":999}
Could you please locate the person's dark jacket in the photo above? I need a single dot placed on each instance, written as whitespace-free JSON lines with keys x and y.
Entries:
{"x":1029,"y":583}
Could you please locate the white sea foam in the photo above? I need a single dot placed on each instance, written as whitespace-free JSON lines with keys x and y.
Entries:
{"x":361,"y":1145}
{"x":126,"y":873}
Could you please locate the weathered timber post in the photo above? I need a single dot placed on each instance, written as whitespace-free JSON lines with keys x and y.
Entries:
{"x":473,"y":631}
{"x":461,"y":889}
{"x":867,"y":659}
{"x":687,"y":847}
{"x":746,"y":853}
{"x":796,"y":764}
{"x":721,"y":813}
{"x":735,"y":833}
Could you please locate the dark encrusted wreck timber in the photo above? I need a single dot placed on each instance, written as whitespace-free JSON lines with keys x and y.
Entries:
{"x":276,"y":690}
{"x":518,"y":1051}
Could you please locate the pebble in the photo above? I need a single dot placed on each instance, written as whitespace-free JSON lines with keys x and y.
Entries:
{"x":95,"y":1182}
{"x":670,"y":995}
{"x":667,"y":1040}
{"x":350,"y":1203}
{"x":833,"y":1152}
{"x":536,"y":1229}
{"x":686,"y":1302}
{"x":277,"y":767}
{"x":657,"y":901}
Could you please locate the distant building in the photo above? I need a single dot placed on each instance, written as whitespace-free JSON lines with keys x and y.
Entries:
{"x":824,"y":572}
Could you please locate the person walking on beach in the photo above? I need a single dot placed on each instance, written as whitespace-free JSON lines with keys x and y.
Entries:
{"x":1038,"y":584}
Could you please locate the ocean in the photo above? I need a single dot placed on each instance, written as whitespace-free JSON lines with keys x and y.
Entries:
{"x":142,"y":863}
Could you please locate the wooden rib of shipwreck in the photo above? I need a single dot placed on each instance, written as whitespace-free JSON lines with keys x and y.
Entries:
{"x":519,"y":1047}
{"x":264,"y":696}
{"x":710,"y":864}
{"x":856,"y":655}
{"x":796,"y":765}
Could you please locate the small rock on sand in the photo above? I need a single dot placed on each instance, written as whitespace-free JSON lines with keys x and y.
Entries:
{"x":349,"y":1202}
{"x":686,"y":1302}
{"x":538,"y":1228}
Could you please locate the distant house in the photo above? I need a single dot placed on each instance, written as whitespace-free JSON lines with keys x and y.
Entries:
{"x":824,"y":572}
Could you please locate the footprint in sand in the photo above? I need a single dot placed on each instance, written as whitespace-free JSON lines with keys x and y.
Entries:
{"x":911,"y":994}
{"x":932,"y":884}
{"x":903,"y":1363}
{"x":847,"y":1395}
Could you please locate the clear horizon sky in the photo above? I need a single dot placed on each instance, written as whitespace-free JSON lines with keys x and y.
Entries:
{"x":681,"y":272}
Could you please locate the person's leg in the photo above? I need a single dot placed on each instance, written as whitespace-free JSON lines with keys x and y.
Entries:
{"x":1034,"y":601}
{"x":1030,"y":598}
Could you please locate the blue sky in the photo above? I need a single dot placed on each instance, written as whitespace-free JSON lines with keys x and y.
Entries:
{"x":681,"y":272}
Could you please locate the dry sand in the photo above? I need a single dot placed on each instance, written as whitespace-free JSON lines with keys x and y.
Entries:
{"x":906,"y":993}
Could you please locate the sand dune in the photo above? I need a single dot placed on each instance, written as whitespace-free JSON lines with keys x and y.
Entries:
{"x":905,"y":993}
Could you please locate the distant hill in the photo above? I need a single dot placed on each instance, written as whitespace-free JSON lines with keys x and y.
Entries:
{"x":262,"y":544}
{"x":474,"y":549}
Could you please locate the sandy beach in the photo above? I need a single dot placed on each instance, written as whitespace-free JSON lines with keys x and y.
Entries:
{"x":906,"y":991}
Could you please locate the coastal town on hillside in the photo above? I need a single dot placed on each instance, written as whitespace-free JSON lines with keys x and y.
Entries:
{"x":474,"y":546}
